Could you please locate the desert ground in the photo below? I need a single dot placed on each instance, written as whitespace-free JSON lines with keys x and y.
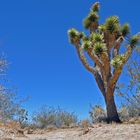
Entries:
{"x":96,"y":132}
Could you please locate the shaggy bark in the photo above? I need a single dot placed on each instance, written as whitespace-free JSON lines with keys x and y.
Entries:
{"x":111,"y":108}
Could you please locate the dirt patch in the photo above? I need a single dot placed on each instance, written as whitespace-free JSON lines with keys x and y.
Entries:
{"x":97,"y":132}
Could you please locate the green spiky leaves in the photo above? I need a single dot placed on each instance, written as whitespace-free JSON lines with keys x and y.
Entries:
{"x":99,"y":48}
{"x":95,"y":7}
{"x":112,"y":24}
{"x":125,"y":30}
{"x":117,"y":61}
{"x":75,"y":36}
{"x":90,"y":20}
{"x":87,"y":23}
{"x":98,"y":43}
{"x":86,"y":45}
{"x":96,"y":37}
{"x":102,"y":28}
{"x":93,"y":17}
{"x":135,"y":40}
{"x":72,"y":33}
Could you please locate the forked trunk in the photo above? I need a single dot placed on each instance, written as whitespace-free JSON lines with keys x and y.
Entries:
{"x":112,"y":114}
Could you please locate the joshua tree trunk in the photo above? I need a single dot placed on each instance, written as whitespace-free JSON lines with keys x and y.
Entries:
{"x":111,"y":110}
{"x":112,"y":114}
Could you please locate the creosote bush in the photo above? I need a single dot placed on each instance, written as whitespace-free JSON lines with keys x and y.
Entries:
{"x":85,"y":123}
{"x":48,"y":116}
{"x":10,"y":107}
{"x":98,"y":114}
{"x":133,"y":106}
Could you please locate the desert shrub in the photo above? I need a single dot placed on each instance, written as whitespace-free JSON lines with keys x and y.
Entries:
{"x":10,"y":106}
{"x":85,"y":123}
{"x":97,"y":114}
{"x":66,"y":118}
{"x":7,"y":105}
{"x":126,"y":112}
{"x":123,"y":113}
{"x":130,"y":110}
{"x":21,"y":116}
{"x":48,"y":116}
{"x":133,"y":106}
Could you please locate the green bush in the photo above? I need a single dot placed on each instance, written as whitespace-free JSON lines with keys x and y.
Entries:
{"x":48,"y":116}
{"x":97,"y":114}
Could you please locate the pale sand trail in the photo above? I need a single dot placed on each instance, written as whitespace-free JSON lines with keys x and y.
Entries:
{"x":99,"y":132}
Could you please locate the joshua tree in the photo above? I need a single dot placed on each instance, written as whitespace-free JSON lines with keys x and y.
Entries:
{"x":102,"y":45}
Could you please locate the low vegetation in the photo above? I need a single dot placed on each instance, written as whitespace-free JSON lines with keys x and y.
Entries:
{"x":53,"y":117}
{"x":126,"y":113}
{"x":10,"y":107}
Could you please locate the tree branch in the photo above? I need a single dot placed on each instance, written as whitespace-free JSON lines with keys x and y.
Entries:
{"x":117,"y":46}
{"x":95,"y":58}
{"x":109,"y":40}
{"x":100,"y":82}
{"x":93,"y":70}
{"x":118,"y":70}
{"x":83,"y":59}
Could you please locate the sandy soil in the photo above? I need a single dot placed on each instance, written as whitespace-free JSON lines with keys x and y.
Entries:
{"x":98,"y":132}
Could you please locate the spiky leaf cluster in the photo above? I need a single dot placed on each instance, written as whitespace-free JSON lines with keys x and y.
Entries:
{"x":95,"y":7}
{"x":100,"y":36}
{"x":85,"y":38}
{"x":86,"y":44}
{"x":112,"y":24}
{"x":125,"y":30}
{"x":74,"y":36}
{"x":117,"y":61}
{"x":98,"y":43}
{"x":135,"y":40}
{"x":91,"y":21}
{"x":99,"y":48}
{"x":102,"y":28}
{"x":96,"y":37}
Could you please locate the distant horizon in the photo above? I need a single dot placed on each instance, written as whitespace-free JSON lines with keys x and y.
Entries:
{"x":43,"y":64}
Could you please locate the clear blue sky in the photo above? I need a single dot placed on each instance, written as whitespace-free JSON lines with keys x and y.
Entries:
{"x":43,"y":65}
